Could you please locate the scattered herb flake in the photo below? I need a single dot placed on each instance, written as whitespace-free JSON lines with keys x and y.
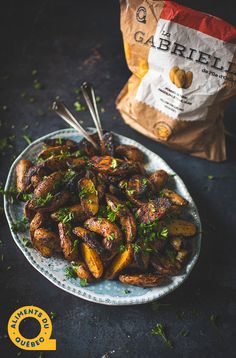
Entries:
{"x":210,"y":177}
{"x":20,"y":225}
{"x":184,"y":332}
{"x":126,"y":291}
{"x":79,"y":107}
{"x":159,"y":330}
{"x":114,"y":164}
{"x":83,"y":282}
{"x":53,"y":315}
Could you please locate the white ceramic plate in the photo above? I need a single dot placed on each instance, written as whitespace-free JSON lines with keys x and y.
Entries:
{"x":105,"y":292}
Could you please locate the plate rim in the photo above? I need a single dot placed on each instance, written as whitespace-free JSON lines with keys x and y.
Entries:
{"x":79,"y":291}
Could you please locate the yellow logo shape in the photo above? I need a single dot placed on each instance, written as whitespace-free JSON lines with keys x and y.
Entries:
{"x":42,"y":341}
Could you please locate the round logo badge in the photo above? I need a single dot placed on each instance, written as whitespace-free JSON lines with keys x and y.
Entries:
{"x":163,"y":131}
{"x":42,"y":341}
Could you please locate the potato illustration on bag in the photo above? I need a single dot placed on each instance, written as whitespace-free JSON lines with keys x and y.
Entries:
{"x":180,"y":78}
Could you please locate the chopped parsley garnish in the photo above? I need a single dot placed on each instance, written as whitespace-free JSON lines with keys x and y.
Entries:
{"x":69,"y":175}
{"x":126,"y":291}
{"x":210,"y":177}
{"x":159,"y":330}
{"x":26,"y":197}
{"x":27,"y":139}
{"x":136,"y":247}
{"x":83,"y":282}
{"x":20,"y":225}
{"x":130,"y":191}
{"x":26,"y":242}
{"x":164,"y":232}
{"x":111,"y":216}
{"x":77,"y":154}
{"x":53,"y":315}
{"x":43,"y":201}
{"x":79,"y":107}
{"x":144,"y":180}
{"x":122,"y":248}
{"x":114,"y":164}
{"x":214,"y":320}
{"x":111,"y":237}
{"x":34,"y":72}
{"x":184,"y":332}
{"x":70,"y":272}
{"x":38,"y":85}
{"x":75,"y":243}
{"x":64,"y":215}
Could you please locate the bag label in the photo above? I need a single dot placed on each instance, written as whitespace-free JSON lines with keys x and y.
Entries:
{"x":186,"y":70}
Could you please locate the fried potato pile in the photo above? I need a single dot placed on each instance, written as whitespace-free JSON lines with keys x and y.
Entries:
{"x":101,"y":210}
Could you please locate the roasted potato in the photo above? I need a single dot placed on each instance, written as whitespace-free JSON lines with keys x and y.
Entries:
{"x":53,"y":204}
{"x":92,"y":260}
{"x":76,"y":211}
{"x":88,"y":196}
{"x":130,"y":152}
{"x":154,"y":209}
{"x":143,"y":280}
{"x":39,"y":220}
{"x":127,"y":220}
{"x":175,"y":198}
{"x":178,"y":227}
{"x":112,"y":234}
{"x":50,"y":184}
{"x":60,"y":142}
{"x":158,"y":179}
{"x":120,"y":262}
{"x":68,"y":244}
{"x":46,"y":242}
{"x":82,"y":271}
{"x":21,"y":170}
{"x":89,"y":238}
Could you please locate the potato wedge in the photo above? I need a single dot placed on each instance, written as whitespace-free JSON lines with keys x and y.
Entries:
{"x":120,"y":262}
{"x":178,"y":227}
{"x":158,"y":179}
{"x":70,"y":250}
{"x":38,"y":221}
{"x":154,"y":209}
{"x":46,"y":242}
{"x":88,"y":196}
{"x":76,"y":210}
{"x":21,"y":170}
{"x":175,"y":198}
{"x":89,"y":238}
{"x":130,"y":152}
{"x":53,"y":151}
{"x":82,"y":271}
{"x":92,"y":260}
{"x":143,"y":280}
{"x":58,"y":200}
{"x":60,"y":142}
{"x":49,"y":185}
{"x":125,"y":216}
{"x":111,"y":233}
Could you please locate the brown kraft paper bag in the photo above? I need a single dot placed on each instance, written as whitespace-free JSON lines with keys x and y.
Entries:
{"x":183,"y":65}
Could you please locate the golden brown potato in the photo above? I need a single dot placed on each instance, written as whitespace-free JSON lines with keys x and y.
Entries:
{"x":136,"y":186}
{"x":92,"y":260}
{"x":111,"y":233}
{"x":175,"y":198}
{"x":88,"y":196}
{"x":59,"y":163}
{"x":38,"y":221}
{"x":154,"y":209}
{"x":178,"y":227}
{"x":35,"y":180}
{"x":76,"y":210}
{"x":46,"y":242}
{"x":120,"y":262}
{"x":143,"y":280}
{"x":114,"y":166}
{"x":49,"y":185}
{"x":130,"y":152}
{"x":68,"y":244}
{"x":89,"y":238}
{"x":53,"y":204}
{"x":176,"y":243}
{"x":125,"y":216}
{"x":82,"y":271}
{"x":53,"y":151}
{"x":21,"y":170}
{"x":158,"y":179}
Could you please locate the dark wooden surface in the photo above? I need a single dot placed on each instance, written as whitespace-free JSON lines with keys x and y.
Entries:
{"x":69,"y":42}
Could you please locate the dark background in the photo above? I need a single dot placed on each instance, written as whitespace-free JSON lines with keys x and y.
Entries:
{"x":69,"y":42}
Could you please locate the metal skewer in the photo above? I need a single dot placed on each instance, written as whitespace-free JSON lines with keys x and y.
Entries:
{"x":67,"y":116}
{"x":89,"y":96}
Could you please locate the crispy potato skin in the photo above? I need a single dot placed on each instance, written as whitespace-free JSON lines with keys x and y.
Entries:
{"x":111,"y":233}
{"x":175,"y":198}
{"x":120,"y":262}
{"x":37,"y":222}
{"x":178,"y":227}
{"x":89,"y":200}
{"x":46,"y":242}
{"x":125,"y":216}
{"x":130,"y":152}
{"x":70,"y":251}
{"x":154,"y":209}
{"x":143,"y":280}
{"x":92,"y":260}
{"x":159,"y":179}
{"x":82,"y":271}
{"x":77,"y":211}
{"x":164,"y":266}
{"x":48,"y":185}
{"x":113,"y":166}
{"x":52,"y":151}
{"x":89,"y":238}
{"x":57,"y":201}
{"x":21,"y":170}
